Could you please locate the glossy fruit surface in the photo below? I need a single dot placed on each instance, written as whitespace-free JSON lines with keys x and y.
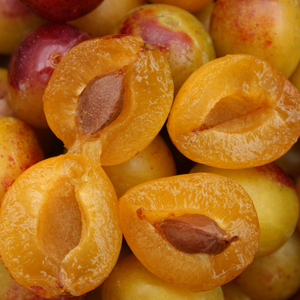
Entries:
{"x":145,"y":208}
{"x":147,"y":95}
{"x":154,"y":162}
{"x":61,"y":10}
{"x":267,"y":29}
{"x":235,"y":112}
{"x":274,"y":276}
{"x":189,"y":5}
{"x":131,"y":280}
{"x":103,"y":20}
{"x":269,"y":187}
{"x":16,"y":20}
{"x":32,"y":64}
{"x":178,"y":34}
{"x":60,"y":216}
{"x":19,"y":149}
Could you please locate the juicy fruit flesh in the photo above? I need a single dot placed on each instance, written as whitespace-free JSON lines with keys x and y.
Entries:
{"x":235,"y":112}
{"x":66,"y":227}
{"x":233,"y":108}
{"x":60,"y":223}
{"x":148,"y":94}
{"x":150,"y":203}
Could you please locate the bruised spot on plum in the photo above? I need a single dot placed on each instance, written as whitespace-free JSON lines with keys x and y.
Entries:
{"x":147,"y":25}
{"x":276,"y":174}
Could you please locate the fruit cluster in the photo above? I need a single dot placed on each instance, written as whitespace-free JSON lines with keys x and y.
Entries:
{"x":149,"y":149}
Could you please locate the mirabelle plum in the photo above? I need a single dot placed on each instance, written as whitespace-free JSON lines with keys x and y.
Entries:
{"x":267,"y":29}
{"x":235,"y":112}
{"x":274,"y":276}
{"x":61,"y":10}
{"x":197,"y":231}
{"x":78,"y":99}
{"x":131,"y":280}
{"x":59,"y":227}
{"x":275,"y":200}
{"x":189,"y":5}
{"x":178,"y":34}
{"x":103,"y":20}
{"x":32,"y":64}
{"x":19,"y":149}
{"x":154,"y":162}
{"x":16,"y":20}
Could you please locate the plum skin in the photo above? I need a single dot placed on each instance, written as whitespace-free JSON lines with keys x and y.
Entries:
{"x":32,"y":65}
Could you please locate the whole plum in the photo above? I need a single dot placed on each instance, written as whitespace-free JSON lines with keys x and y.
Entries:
{"x":32,"y":65}
{"x":61,"y":10}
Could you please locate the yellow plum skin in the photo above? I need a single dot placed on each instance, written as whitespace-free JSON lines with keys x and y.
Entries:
{"x":131,"y":280}
{"x":154,"y":162}
{"x":274,"y":276}
{"x":19,"y":149}
{"x":275,"y":199}
{"x":16,"y":20}
{"x":267,"y":29}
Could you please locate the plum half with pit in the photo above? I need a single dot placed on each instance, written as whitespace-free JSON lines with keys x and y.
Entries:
{"x":32,"y":65}
{"x":61,"y":10}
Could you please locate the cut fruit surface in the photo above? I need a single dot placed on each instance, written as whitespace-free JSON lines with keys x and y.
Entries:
{"x":59,"y":227}
{"x":185,"y":202}
{"x":235,"y":112}
{"x":146,"y":99}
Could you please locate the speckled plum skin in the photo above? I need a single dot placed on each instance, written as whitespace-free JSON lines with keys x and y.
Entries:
{"x":19,"y":149}
{"x":32,"y":65}
{"x":267,"y":29}
{"x":61,"y":10}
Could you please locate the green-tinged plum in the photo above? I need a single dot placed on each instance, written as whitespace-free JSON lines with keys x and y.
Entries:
{"x":154,"y":162}
{"x":267,"y":29}
{"x":131,"y":280}
{"x":275,"y":276}
{"x":19,"y":149}
{"x":275,"y":200}
{"x":16,"y":20}
{"x":175,"y":32}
